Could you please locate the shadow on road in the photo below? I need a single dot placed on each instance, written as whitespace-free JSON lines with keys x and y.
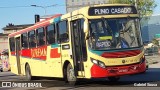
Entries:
{"x":6,"y":74}
{"x":152,"y":75}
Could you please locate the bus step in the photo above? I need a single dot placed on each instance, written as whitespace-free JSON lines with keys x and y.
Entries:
{"x":81,"y":73}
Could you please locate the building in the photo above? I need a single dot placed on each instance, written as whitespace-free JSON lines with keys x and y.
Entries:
{"x":3,"y":41}
{"x":10,"y":28}
{"x":72,"y":5}
{"x":151,"y":28}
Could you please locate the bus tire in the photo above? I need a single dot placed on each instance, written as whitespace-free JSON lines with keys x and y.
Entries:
{"x":113,"y":79}
{"x":71,"y":78}
{"x":28,"y":73}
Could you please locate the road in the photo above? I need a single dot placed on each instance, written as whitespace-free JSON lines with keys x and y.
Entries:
{"x":152,"y":76}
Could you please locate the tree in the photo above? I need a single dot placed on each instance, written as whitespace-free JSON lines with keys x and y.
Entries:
{"x":145,"y":7}
{"x":155,"y":41}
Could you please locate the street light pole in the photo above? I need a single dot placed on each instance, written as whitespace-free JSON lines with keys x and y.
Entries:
{"x":44,"y":7}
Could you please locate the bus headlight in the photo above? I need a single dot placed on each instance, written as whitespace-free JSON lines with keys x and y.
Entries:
{"x":142,"y":59}
{"x":99,"y":63}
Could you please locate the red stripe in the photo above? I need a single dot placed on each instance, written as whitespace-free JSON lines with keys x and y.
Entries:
{"x":13,"y":53}
{"x":37,"y":25}
{"x":98,"y":72}
{"x":54,"y":53}
{"x":26,"y":52}
{"x":121,"y":54}
{"x":38,"y":53}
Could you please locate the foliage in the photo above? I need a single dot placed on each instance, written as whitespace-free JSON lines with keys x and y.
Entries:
{"x":121,"y":1}
{"x":155,"y":41}
{"x":145,"y":7}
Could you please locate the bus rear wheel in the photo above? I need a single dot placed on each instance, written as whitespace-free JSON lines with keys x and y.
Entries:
{"x":28,"y":73}
{"x":113,"y":79}
{"x":71,"y":78}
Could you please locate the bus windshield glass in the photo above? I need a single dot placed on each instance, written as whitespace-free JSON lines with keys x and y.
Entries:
{"x":106,"y":34}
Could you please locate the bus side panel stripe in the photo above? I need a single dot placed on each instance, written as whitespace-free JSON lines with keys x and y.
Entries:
{"x":54,"y":53}
{"x":13,"y":53}
{"x":39,"y":53}
{"x":26,"y":53}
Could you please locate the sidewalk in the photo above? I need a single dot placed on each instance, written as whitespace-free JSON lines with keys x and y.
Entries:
{"x":153,"y":61}
{"x":157,"y":65}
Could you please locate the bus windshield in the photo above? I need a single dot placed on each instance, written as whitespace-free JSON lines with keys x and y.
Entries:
{"x":106,"y":34}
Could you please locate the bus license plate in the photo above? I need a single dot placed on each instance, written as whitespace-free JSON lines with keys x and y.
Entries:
{"x":123,"y":70}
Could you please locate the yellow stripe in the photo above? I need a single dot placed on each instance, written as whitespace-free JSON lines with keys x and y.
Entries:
{"x":105,"y":38}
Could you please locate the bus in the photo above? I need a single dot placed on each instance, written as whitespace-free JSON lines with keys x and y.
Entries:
{"x":99,"y":41}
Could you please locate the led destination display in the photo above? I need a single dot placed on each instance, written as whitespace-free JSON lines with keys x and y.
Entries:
{"x":112,"y":10}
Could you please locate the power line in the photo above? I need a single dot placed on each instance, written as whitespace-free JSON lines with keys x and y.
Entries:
{"x":16,"y":7}
{"x":26,"y":6}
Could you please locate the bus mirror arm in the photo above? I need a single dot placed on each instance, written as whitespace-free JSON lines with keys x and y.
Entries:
{"x":87,"y":36}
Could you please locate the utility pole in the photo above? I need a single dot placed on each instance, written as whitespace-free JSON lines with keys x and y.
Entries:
{"x":44,"y":7}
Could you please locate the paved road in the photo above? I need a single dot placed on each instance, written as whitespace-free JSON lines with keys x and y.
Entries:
{"x":152,"y":76}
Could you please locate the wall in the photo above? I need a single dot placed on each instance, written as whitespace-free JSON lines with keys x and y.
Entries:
{"x":72,"y":5}
{"x":3,"y":43}
{"x":150,"y":28}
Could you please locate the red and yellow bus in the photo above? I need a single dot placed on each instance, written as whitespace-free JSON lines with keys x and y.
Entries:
{"x":93,"y":42}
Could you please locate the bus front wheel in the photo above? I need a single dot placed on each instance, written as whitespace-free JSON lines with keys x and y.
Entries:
{"x":71,"y":78}
{"x":28,"y":73}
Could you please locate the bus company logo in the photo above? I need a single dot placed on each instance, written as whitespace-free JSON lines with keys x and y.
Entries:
{"x":38,"y":52}
{"x":6,"y":84}
{"x":123,"y":61}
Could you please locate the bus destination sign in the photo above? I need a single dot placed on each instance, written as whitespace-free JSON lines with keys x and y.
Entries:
{"x":112,"y":10}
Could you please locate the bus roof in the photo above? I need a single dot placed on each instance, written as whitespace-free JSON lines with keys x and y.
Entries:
{"x":36,"y":25}
{"x":88,"y":13}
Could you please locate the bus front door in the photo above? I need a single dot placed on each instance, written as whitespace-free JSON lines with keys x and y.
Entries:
{"x":18,"y":55}
{"x":78,"y":46}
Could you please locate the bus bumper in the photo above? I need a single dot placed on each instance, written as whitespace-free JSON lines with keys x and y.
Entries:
{"x":98,"y":72}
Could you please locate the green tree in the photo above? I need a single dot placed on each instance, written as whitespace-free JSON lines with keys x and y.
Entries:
{"x":155,"y":41}
{"x":145,"y":7}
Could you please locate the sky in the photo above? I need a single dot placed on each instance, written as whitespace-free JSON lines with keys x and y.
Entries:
{"x":21,"y":12}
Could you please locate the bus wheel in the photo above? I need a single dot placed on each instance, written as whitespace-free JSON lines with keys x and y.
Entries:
{"x":28,"y":73}
{"x":113,"y":79}
{"x":71,"y":78}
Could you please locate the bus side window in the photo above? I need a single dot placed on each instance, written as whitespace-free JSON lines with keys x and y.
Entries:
{"x":24,"y":40}
{"x":63,"y":32}
{"x":12,"y":44}
{"x":32,"y":39}
{"x":51,"y":34}
{"x":40,"y":37}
